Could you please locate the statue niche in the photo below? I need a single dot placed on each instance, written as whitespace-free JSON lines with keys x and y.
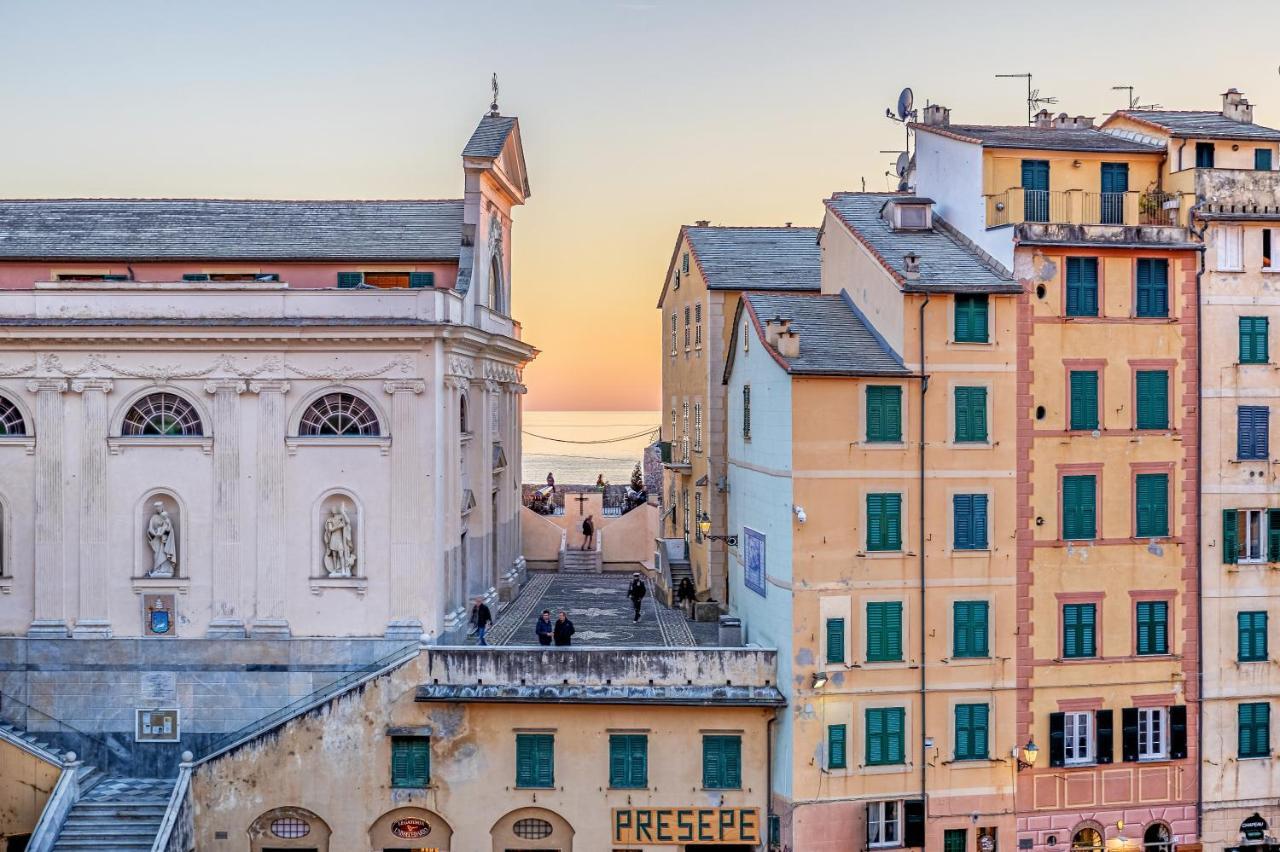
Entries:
{"x":338,"y":539}
{"x":160,"y":534}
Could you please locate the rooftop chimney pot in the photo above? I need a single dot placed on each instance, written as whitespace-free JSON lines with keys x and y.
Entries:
{"x":911,"y":264}
{"x":1236,"y":106}
{"x":936,"y":115}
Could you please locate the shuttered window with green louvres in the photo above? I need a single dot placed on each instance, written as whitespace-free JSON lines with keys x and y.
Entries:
{"x":1262,"y":159}
{"x":837,"y":749}
{"x":1151,"y":492}
{"x":885,"y":727}
{"x":884,"y":522}
{"x":350,"y":279}
{"x":971,"y":318}
{"x":1082,"y":286}
{"x":628,"y":760}
{"x":1079,"y":507}
{"x":970,"y":629}
{"x":1153,"y":287}
{"x":1079,"y":630}
{"x":1253,"y":725}
{"x":835,"y":640}
{"x":535,"y":760}
{"x":721,"y":762}
{"x":971,"y":415}
{"x":1153,"y":399}
{"x":1084,"y":400}
{"x":1251,"y":636}
{"x":410,"y":762}
{"x":1153,"y":627}
{"x":884,"y":414}
{"x":884,"y":631}
{"x":955,"y":840}
{"x":972,"y":731}
{"x":969,"y":521}
{"x":422,"y":279}
{"x":1253,"y":340}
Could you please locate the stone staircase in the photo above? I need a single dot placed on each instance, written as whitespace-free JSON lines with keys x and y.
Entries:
{"x":581,"y":561}
{"x":35,"y":741}
{"x":115,"y":814}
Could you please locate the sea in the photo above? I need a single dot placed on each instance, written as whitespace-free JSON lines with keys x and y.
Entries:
{"x":578,"y":446}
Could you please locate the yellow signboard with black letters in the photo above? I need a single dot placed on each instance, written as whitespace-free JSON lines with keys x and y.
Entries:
{"x":655,"y":826}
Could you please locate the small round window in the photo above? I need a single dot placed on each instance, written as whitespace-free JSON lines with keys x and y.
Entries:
{"x":290,"y":828}
{"x":532,"y":829}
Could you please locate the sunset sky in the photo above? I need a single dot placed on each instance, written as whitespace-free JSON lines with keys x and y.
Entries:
{"x":637,"y":116}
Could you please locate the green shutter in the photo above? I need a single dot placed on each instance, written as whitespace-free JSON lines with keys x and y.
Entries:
{"x":1251,"y":637}
{"x":1079,"y":507}
{"x":535,"y":760}
{"x":1254,"y":347}
{"x":837,"y":757}
{"x":422,"y":279}
{"x":1153,"y":399}
{"x":721,"y":762}
{"x":1082,"y":286}
{"x":884,"y":522}
{"x":885,"y":736}
{"x":1262,"y":159}
{"x":971,"y":414}
{"x":1230,"y":542}
{"x":971,"y":737}
{"x":955,"y":840}
{"x":969,"y":630}
{"x":1153,"y":287}
{"x":628,"y":760}
{"x":1273,"y":535}
{"x":350,"y":279}
{"x":884,"y":631}
{"x":1151,"y":493}
{"x":1079,"y":622}
{"x":1254,"y":728}
{"x":410,"y":762}
{"x":884,"y":414}
{"x":971,"y":318}
{"x":895,"y":733}
{"x":835,"y":640}
{"x":1084,"y":400}
{"x":1153,"y":627}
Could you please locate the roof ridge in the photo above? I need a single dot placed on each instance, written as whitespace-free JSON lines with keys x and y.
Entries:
{"x":239,"y":200}
{"x":753,"y":227}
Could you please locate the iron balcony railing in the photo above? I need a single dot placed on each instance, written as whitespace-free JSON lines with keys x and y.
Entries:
{"x":1077,"y":207}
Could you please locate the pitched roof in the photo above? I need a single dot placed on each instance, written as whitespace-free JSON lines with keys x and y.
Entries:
{"x":145,"y":229}
{"x":1203,"y":124}
{"x":757,"y":258}
{"x":489,"y":136}
{"x":835,"y":338}
{"x":946,"y":262}
{"x":1040,"y":138}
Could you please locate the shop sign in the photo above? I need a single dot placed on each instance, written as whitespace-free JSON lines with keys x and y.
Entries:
{"x":655,"y":826}
{"x":411,"y":828}
{"x":1254,"y":828}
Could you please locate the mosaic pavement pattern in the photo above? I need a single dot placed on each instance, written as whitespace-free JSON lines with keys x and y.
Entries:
{"x":130,"y":791}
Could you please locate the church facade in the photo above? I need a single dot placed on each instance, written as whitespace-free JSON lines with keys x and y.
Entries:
{"x":261,"y":419}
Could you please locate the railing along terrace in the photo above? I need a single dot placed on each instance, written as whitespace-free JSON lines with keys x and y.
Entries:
{"x":1077,"y":207}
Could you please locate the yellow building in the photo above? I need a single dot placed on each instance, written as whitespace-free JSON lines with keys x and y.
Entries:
{"x":710,"y":268}
{"x":880,"y":561}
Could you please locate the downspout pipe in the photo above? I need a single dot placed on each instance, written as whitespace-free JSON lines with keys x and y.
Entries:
{"x":768,"y":776}
{"x":1199,"y":234}
{"x":920,"y":619}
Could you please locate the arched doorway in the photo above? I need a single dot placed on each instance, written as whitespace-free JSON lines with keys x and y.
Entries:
{"x":532,"y":829}
{"x":406,"y":829}
{"x":1087,"y":838}
{"x":292,"y":829}
{"x":1157,"y":838}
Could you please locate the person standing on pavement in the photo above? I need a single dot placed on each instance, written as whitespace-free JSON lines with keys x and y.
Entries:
{"x":563,"y":630}
{"x":588,"y":532}
{"x":636,"y":591}
{"x":481,"y":618}
{"x":544,"y":628}
{"x":686,"y":594}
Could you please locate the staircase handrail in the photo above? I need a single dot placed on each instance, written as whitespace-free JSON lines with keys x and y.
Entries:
{"x":177,"y":828}
{"x":61,"y":800}
{"x":100,"y":740}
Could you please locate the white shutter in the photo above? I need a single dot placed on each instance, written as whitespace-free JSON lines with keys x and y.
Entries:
{"x":1230,"y":248}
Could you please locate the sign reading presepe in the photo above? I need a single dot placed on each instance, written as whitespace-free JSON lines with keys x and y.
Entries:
{"x":686,"y":825}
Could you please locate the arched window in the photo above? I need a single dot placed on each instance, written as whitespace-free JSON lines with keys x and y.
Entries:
{"x":462,"y":414}
{"x":11,"y":422}
{"x":339,"y":414}
{"x":162,"y":415}
{"x":497,"y":293}
{"x":1087,"y":839}
{"x":1157,"y":838}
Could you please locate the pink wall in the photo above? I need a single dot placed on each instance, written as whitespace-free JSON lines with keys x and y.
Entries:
{"x":23,"y":275}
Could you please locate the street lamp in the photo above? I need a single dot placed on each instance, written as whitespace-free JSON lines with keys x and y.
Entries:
{"x":819,"y":680}
{"x":1026,"y":756}
{"x":704,"y":526}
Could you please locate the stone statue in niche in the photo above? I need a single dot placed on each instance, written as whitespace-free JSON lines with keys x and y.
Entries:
{"x":163,"y":540}
{"x":339,"y":547}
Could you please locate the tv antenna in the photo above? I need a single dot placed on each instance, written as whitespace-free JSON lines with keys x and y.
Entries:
{"x":493,"y":84}
{"x":1133,"y":99}
{"x":900,"y":168}
{"x":904,"y":114}
{"x":1034,"y":99}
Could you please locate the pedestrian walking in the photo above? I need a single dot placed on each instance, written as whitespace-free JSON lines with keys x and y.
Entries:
{"x":600,"y":483}
{"x":588,"y":532}
{"x":636,"y":591}
{"x":544,"y":628}
{"x":686,"y":594}
{"x":563,"y":630}
{"x":551,"y":482}
{"x":481,"y":618}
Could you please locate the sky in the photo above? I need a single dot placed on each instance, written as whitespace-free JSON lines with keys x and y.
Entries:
{"x":637,"y":116}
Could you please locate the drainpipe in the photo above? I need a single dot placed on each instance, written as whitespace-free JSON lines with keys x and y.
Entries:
{"x":1191,"y":218}
{"x":768,"y":777}
{"x":924,"y":766}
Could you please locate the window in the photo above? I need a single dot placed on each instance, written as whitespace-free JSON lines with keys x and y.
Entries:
{"x":1082,"y":286}
{"x":535,"y":760}
{"x":837,"y":751}
{"x":11,"y":422}
{"x":1253,"y":340}
{"x":955,"y":840}
{"x":885,"y":742}
{"x":686,"y":328}
{"x":971,"y":415}
{"x":532,"y":828}
{"x":884,"y":522}
{"x":884,"y":824}
{"x":1079,"y":630}
{"x":1157,"y":838}
{"x":1250,"y":535}
{"x":1153,"y":399}
{"x":697,"y":426}
{"x":1151,"y":493}
{"x":1077,"y":731}
{"x":1230,"y":248}
{"x":497,"y":292}
{"x":835,"y":640}
{"x":1153,"y":287}
{"x":1253,"y":727}
{"x":697,"y":513}
{"x":969,"y":519}
{"x":971,"y":318}
{"x":970,"y":629}
{"x":684,"y":418}
{"x":721,"y":762}
{"x":684,"y":263}
{"x":629,"y":760}
{"x":673,"y":334}
{"x":1079,"y":507}
{"x":410,"y":762}
{"x":1152,"y":619}
{"x":884,"y":414}
{"x":162,"y":415}
{"x":1251,"y":432}
{"x":971,"y":731}
{"x":884,"y":631}
{"x":1262,"y":159}
{"x":1084,"y":400}
{"x":336,"y":414}
{"x":1251,"y":636}
{"x":1204,"y":155}
{"x":261,"y":277}
{"x":386,"y":280}
{"x":746,"y":411}
{"x":697,"y":320}
{"x":1268,"y":244}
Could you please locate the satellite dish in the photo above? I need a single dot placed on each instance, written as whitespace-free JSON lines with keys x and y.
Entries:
{"x":904,"y":161}
{"x":905,"y":101}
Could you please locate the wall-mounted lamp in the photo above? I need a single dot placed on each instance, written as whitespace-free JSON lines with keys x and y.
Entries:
{"x":704,"y":526}
{"x":1026,"y":756}
{"x":1075,"y":164}
{"x":819,"y":680}
{"x":800,"y":515}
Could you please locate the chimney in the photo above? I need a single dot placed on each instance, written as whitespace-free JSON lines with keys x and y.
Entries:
{"x":1044,"y":119}
{"x":1236,"y":106}
{"x":1068,"y":122}
{"x":702,"y":223}
{"x":788,"y":345}
{"x":911,"y":265}
{"x":775,"y":328}
{"x":936,"y":115}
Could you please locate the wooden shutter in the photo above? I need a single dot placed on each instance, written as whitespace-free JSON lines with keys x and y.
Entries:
{"x":524,"y":761}
{"x":712,"y":763}
{"x":1079,"y":507}
{"x":835,"y":640}
{"x":544,"y":766}
{"x":422,"y":279}
{"x":961,"y":629}
{"x":1145,"y":628}
{"x":1251,"y":432}
{"x":1057,"y":739}
{"x":971,"y":318}
{"x":350,"y":279}
{"x":981,"y":728}
{"x":979,"y":629}
{"x":733,"y":762}
{"x":1159,"y":627}
{"x":875,"y":736}
{"x":884,"y":631}
{"x":1253,"y":340}
{"x":962,"y":520}
{"x":895,"y":735}
{"x":1088,"y":625}
{"x":955,"y":840}
{"x":836,"y":752}
{"x":1230,"y":539}
{"x":1153,"y":287}
{"x":400,"y":763}
{"x":875,"y":415}
{"x":875,"y":522}
{"x":1273,"y":535}
{"x":964,"y":732}
{"x":1153,"y":399}
{"x":893,"y":521}
{"x":1262,"y":159}
{"x":1129,"y":734}
{"x":1104,"y":736}
{"x":1177,"y":732}
{"x":1082,"y":286}
{"x":913,"y":824}
{"x":971,"y":414}
{"x":893,"y":629}
{"x":1084,"y":400}
{"x":884,"y":413}
{"x":1152,"y":496}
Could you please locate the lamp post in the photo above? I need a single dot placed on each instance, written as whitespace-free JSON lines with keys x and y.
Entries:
{"x":1026,"y":756}
{"x":704,"y":526}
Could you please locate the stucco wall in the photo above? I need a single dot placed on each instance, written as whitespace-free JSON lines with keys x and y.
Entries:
{"x":25,"y":784}
{"x":629,"y":538}
{"x":950,"y":172}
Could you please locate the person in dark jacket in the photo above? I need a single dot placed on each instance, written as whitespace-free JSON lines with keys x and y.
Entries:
{"x":636,"y":591}
{"x":686,"y":594}
{"x":544,"y":628}
{"x":563,"y":630}
{"x":588,"y":532}
{"x":481,"y":618}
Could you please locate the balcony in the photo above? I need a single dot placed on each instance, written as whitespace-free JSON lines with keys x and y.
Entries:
{"x":1075,"y":216}
{"x":1243,"y":188}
